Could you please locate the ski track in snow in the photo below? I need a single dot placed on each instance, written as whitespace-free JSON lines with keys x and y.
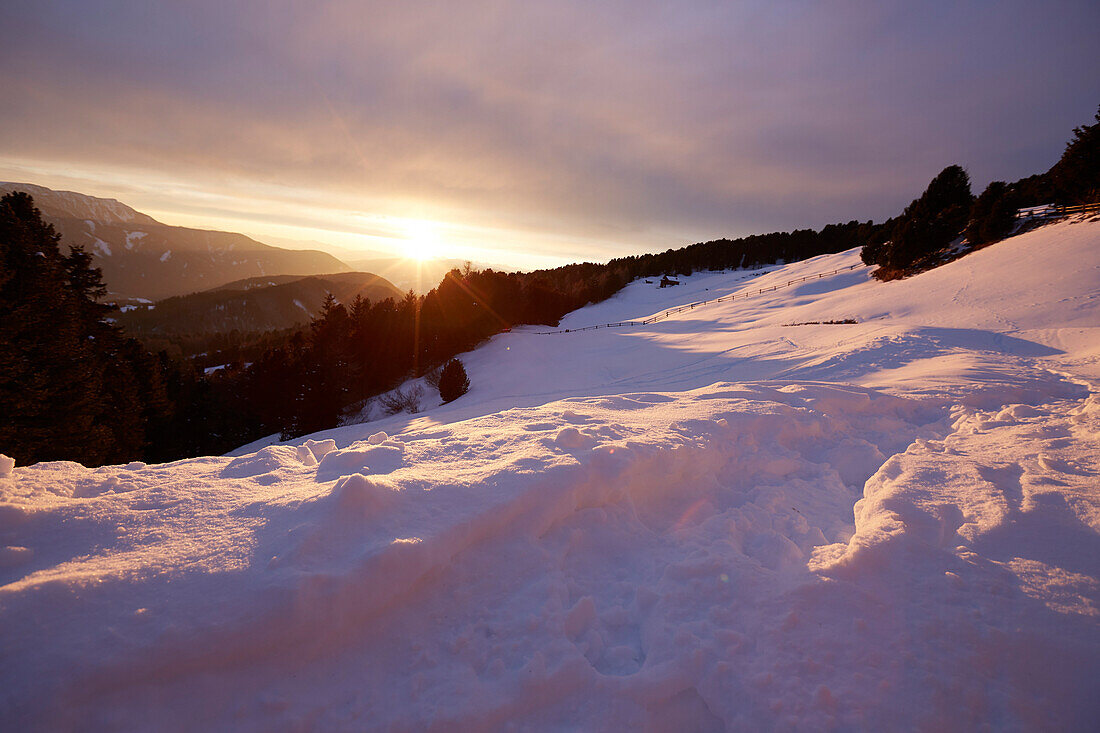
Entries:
{"x":716,"y":522}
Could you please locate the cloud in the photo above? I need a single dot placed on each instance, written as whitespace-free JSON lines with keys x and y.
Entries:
{"x":632,"y":126}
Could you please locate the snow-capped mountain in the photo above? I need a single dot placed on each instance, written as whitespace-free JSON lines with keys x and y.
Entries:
{"x":837,"y":504}
{"x":142,"y":258}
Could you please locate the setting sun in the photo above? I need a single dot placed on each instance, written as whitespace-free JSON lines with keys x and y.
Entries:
{"x":422,"y":240}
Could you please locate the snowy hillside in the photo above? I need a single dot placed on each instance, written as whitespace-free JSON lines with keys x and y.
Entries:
{"x":720,"y":521}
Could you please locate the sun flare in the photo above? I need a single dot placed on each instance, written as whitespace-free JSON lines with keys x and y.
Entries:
{"x":421,"y":240}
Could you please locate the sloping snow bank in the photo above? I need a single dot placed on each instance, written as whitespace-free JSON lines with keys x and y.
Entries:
{"x":648,"y":529}
{"x":1011,"y":317}
{"x":670,"y":561}
{"x":567,"y":547}
{"x":983,"y":553}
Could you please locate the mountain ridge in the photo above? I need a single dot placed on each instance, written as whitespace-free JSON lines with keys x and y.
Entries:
{"x":80,"y":205}
{"x":280,"y":305}
{"x":141,"y":257}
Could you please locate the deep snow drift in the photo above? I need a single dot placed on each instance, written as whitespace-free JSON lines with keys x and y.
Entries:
{"x":718,"y":521}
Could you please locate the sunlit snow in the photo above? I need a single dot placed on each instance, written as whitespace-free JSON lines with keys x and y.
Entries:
{"x":715,"y":522}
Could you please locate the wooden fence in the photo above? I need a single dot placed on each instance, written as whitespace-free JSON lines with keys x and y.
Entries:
{"x":700,"y":303}
{"x":1055,"y":210}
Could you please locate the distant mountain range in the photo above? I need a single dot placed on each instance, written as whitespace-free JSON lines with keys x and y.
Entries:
{"x":143,"y":258}
{"x":408,"y":274}
{"x":404,"y":272}
{"x":253,"y":304}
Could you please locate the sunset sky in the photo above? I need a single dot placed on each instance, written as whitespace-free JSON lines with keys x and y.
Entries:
{"x":534,"y":133}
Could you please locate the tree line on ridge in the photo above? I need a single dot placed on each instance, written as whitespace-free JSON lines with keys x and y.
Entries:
{"x":73,"y":386}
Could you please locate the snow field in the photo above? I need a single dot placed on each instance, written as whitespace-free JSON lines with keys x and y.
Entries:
{"x":716,"y":522}
{"x":631,"y":511}
{"x":1004,"y":324}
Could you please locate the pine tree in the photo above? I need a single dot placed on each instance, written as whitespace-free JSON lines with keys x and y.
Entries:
{"x":1076,"y":176}
{"x":992,"y":216}
{"x":325,"y":369}
{"x":927,"y":225}
{"x":67,"y":390}
{"x":453,"y":381}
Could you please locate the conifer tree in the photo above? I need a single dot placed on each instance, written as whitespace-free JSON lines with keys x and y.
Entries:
{"x":992,"y":216}
{"x":1076,"y":176}
{"x":67,"y":388}
{"x":453,"y":381}
{"x":927,"y":225}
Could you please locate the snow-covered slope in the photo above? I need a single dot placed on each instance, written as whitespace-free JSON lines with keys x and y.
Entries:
{"x":718,"y":521}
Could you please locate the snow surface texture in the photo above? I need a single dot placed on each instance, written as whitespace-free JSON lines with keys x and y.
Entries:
{"x":716,"y":522}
